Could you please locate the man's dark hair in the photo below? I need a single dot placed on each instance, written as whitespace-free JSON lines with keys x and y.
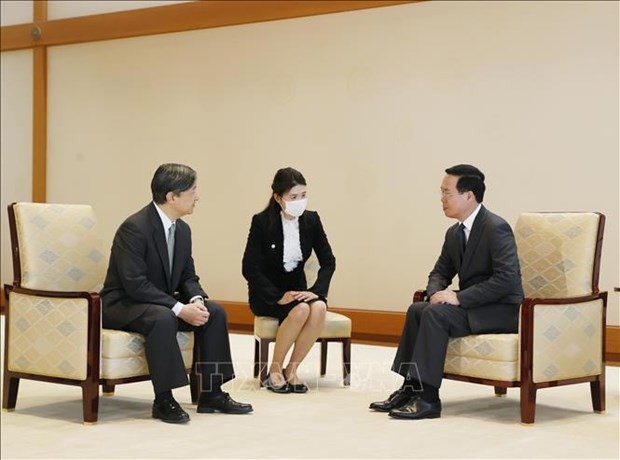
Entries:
{"x":171,"y":177}
{"x":471,"y":179}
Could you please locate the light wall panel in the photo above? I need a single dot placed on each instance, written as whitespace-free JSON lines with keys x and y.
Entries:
{"x":371,"y":106}
{"x":15,"y":12}
{"x":15,"y":143}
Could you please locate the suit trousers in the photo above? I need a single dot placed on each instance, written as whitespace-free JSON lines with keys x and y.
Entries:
{"x":159,"y":326}
{"x":424,"y":341}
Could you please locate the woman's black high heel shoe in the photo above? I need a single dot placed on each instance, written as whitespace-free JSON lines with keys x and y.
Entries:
{"x":284,"y":388}
{"x":295,"y":387}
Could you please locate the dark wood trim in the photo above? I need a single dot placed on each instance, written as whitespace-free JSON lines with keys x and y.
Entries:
{"x":15,"y":256}
{"x":172,"y":18}
{"x":598,"y":251}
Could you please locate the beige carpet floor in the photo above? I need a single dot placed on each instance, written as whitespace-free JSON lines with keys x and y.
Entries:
{"x":330,"y":421}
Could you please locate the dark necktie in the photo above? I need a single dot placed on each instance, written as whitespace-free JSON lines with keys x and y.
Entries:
{"x":171,"y":246}
{"x":462,"y":239}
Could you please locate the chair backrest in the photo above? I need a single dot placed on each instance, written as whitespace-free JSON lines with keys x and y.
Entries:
{"x":56,"y":247}
{"x":560,"y":253}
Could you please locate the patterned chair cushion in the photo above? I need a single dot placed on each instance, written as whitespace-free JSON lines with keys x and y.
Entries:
{"x":336,"y":326}
{"x":494,"y":356}
{"x":494,"y":347}
{"x":507,"y":371}
{"x":122,"y":353}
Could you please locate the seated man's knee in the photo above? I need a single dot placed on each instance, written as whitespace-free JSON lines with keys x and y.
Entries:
{"x":436,"y":312}
{"x":162,"y":318}
{"x":416,"y":309}
{"x":215,"y":310}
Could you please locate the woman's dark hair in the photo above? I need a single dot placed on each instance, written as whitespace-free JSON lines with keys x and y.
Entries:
{"x":471,"y":179}
{"x":171,"y":177}
{"x":284,"y":180}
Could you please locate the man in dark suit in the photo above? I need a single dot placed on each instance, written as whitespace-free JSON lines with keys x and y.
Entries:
{"x":481,"y":250}
{"x":151,"y":287}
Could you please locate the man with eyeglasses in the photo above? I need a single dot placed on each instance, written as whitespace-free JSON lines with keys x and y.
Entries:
{"x":480,"y":248}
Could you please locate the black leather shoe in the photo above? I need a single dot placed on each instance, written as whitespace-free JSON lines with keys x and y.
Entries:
{"x":170,"y":411}
{"x":222,"y":403}
{"x":394,"y":401}
{"x":418,"y":409}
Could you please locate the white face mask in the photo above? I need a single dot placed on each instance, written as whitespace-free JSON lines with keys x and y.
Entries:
{"x":296,"y":208}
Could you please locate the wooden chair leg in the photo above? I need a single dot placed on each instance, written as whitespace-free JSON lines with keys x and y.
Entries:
{"x":90,"y":401}
{"x":597,"y":391}
{"x":11,"y":386}
{"x":346,"y":361}
{"x":323,"y":357}
{"x":528,"y":402}
{"x":108,"y":389}
{"x":500,"y":391}
{"x":263,"y":359}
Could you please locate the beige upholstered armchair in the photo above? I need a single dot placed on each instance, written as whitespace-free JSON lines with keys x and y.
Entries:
{"x":53,"y":316}
{"x":561,"y":335}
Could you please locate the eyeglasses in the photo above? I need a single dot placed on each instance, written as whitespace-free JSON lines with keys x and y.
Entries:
{"x":448,"y":194}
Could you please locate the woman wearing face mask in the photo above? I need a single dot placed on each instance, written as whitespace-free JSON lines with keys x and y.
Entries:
{"x":281,"y":239}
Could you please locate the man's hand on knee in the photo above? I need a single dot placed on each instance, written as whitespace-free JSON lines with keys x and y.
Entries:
{"x":446,"y":296}
{"x":195,"y":314}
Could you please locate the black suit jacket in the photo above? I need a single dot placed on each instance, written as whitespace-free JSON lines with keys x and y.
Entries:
{"x":262,"y":264}
{"x":138,"y":272}
{"x":489,"y":273}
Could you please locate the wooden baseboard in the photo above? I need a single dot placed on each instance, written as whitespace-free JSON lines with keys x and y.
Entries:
{"x":612,"y":345}
{"x":378,"y":327}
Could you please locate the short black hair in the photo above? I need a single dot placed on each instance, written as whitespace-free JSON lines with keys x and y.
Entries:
{"x":471,"y":179}
{"x":171,"y":177}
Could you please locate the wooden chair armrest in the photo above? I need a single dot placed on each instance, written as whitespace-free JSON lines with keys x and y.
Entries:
{"x":420,"y":296}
